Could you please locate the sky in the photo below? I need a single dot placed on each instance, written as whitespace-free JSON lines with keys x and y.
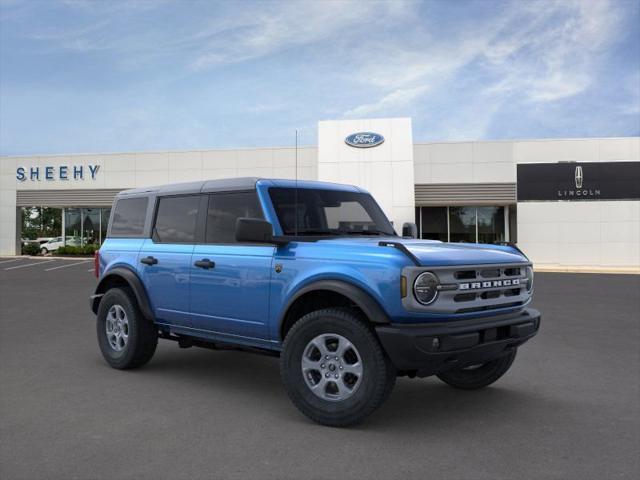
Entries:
{"x":86,"y":76}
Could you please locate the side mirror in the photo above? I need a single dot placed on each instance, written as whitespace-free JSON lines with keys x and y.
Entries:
{"x":409,"y":230}
{"x":254,"y":230}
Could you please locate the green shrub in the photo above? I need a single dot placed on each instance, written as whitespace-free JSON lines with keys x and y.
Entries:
{"x":80,"y":250}
{"x":31,"y":249}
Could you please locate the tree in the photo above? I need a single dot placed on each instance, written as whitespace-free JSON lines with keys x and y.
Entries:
{"x":41,"y":222}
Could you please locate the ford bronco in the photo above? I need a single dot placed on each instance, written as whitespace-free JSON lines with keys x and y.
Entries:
{"x":314,"y":273}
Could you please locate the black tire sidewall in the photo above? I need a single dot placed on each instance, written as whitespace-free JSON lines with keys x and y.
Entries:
{"x":126,"y":357}
{"x":375,"y":368}
{"x":485,"y":375}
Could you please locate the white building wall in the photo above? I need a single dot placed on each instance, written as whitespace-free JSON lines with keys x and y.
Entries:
{"x":591,"y":234}
{"x":8,"y":209}
{"x":129,"y":170}
{"x":385,"y":170}
{"x":464,"y":162}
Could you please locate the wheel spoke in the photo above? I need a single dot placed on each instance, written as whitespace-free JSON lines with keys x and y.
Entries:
{"x":354,"y":369}
{"x":308,"y":364}
{"x":340,"y":389}
{"x":319,"y":343}
{"x":320,"y":386}
{"x":343,"y":346}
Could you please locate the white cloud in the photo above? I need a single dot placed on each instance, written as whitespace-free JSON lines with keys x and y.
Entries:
{"x":288,"y":25}
{"x":553,"y":56}
{"x":396,"y":99}
{"x":541,"y":52}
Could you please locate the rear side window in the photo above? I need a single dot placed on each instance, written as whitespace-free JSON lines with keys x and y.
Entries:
{"x":128,"y":217}
{"x":225,"y":209}
{"x":176,"y":219}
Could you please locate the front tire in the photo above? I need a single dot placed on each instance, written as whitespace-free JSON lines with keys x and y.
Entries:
{"x":44,"y":251}
{"x":334,"y":369}
{"x":127,"y":339}
{"x":479,"y":376}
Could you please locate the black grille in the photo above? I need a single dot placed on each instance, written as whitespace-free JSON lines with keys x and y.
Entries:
{"x":492,"y":273}
{"x":465,"y":275}
{"x":488,"y":307}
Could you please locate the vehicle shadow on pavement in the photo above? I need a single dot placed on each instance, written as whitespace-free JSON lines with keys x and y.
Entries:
{"x":415,"y":404}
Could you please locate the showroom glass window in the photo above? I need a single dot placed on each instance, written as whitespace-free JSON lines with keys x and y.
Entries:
{"x":465,"y":224}
{"x":104,"y":223}
{"x":73,"y":226}
{"x":490,"y":224}
{"x":90,"y":226}
{"x":462,"y":224}
{"x":176,"y":219}
{"x":223,"y":211}
{"x":434,"y":223}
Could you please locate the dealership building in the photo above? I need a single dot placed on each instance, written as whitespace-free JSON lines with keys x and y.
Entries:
{"x":568,"y":203}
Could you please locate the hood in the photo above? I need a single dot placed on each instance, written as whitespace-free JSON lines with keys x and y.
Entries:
{"x":435,"y":253}
{"x":438,"y":253}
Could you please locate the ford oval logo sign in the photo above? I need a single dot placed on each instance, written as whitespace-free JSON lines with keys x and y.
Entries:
{"x":364,"y":139}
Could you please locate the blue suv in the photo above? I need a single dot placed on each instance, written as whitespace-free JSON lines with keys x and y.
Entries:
{"x":314,"y":273}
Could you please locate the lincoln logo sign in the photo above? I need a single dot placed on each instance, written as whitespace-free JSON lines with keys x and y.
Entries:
{"x":61,"y":172}
{"x":364,"y":139}
{"x":579,"y":191}
{"x":571,"y":181}
{"x":579,"y":177}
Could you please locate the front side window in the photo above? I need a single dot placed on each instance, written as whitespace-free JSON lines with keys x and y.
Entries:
{"x":176,"y":219}
{"x":225,"y":209}
{"x":128,"y":218}
{"x":307,"y":211}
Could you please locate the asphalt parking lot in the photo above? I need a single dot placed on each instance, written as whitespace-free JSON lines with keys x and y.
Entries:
{"x":569,"y":408}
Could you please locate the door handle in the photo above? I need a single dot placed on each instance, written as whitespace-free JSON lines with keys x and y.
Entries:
{"x":205,"y":263}
{"x":149,"y":260}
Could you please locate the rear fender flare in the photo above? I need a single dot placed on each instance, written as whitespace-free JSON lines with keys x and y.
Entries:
{"x":134,"y":283}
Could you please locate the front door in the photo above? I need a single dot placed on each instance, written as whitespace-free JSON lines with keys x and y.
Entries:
{"x":230,"y":282}
{"x":165,"y":259}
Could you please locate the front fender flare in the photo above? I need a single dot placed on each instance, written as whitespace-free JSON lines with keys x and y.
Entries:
{"x":133,"y":281}
{"x":363,"y":300}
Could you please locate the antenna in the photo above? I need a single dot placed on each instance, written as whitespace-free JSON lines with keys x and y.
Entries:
{"x":295,"y":195}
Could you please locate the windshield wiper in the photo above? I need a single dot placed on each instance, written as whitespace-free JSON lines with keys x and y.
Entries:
{"x":310,"y":231}
{"x":364,"y":232}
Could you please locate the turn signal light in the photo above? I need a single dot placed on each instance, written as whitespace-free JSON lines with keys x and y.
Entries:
{"x":403,"y":286}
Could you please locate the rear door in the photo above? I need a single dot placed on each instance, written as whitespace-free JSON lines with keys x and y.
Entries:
{"x":229,"y":280}
{"x":165,"y":259}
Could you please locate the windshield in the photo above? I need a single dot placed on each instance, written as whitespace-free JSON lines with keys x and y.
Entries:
{"x":328,"y":212}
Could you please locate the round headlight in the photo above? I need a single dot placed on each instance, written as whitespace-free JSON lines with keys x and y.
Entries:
{"x":425,"y":288}
{"x":529,"y":274}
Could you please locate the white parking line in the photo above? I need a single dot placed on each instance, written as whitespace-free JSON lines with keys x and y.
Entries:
{"x":91,"y":270}
{"x":65,"y":266}
{"x":9,"y":261}
{"x":30,"y":264}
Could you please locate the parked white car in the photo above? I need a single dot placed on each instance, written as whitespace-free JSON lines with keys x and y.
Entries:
{"x":57,"y":242}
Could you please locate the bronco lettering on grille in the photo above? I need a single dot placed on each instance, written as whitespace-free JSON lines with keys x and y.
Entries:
{"x":489,"y":284}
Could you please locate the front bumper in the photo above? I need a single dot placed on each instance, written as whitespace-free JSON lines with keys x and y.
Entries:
{"x":427,"y":349}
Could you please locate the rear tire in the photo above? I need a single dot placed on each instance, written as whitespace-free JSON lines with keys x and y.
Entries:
{"x":126,"y":339}
{"x":479,"y":376}
{"x":334,"y":369}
